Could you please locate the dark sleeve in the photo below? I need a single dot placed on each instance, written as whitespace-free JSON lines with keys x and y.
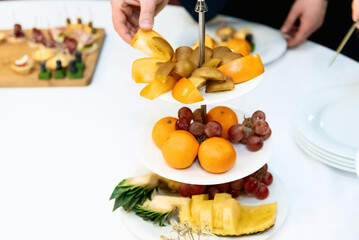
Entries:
{"x":214,"y":8}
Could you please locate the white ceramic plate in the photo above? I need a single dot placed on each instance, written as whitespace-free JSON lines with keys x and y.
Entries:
{"x":212,"y":98}
{"x":329,"y":119}
{"x":151,"y":157}
{"x":269,"y":42}
{"x":340,"y":160}
{"x":326,"y":160}
{"x":147,"y":231}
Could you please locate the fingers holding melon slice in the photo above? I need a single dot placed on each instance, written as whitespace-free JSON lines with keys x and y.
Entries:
{"x":144,"y":69}
{"x":185,"y":92}
{"x":243,"y":69}
{"x":152,"y":44}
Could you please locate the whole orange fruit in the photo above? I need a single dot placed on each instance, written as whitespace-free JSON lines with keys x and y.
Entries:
{"x":225,"y":116}
{"x":217,"y":155}
{"x":180,"y":150}
{"x":162,"y":130}
{"x":239,"y":45}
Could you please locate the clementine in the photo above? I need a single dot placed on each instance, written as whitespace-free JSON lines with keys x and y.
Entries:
{"x":225,"y":116}
{"x":162,"y":130}
{"x":217,"y":155}
{"x":180,"y":150}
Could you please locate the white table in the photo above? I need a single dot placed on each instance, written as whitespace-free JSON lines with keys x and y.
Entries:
{"x":63,"y":150}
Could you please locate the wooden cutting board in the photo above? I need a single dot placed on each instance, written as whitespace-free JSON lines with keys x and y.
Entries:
{"x":9,"y":52}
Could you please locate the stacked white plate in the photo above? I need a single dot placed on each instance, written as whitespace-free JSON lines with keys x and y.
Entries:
{"x":327,"y":126}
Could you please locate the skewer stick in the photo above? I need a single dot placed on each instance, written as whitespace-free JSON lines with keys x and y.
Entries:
{"x":344,"y":41}
{"x":201,"y":8}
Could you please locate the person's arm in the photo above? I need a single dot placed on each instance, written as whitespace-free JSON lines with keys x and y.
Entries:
{"x":130,"y":15}
{"x":310,"y":14}
{"x":355,"y":12}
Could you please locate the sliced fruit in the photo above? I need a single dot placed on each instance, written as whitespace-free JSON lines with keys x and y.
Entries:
{"x":229,"y":57}
{"x":162,"y":130}
{"x":218,"y":86}
{"x":183,"y":52}
{"x":213,"y":62}
{"x":180,"y":150}
{"x":156,"y":88}
{"x":185,"y":92}
{"x":208,"y":42}
{"x":168,"y":184}
{"x":198,"y":82}
{"x":221,"y":51}
{"x":184,"y":68}
{"x":144,"y":69}
{"x":196,"y":207}
{"x":195,"y":55}
{"x":243,"y":69}
{"x":218,"y":203}
{"x":164,"y":70}
{"x":209,"y":73}
{"x":152,"y":44}
{"x":206,"y":214}
{"x":240,"y":45}
{"x":231,"y":215}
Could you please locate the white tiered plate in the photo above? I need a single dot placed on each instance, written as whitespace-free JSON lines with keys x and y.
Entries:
{"x":151,"y":157}
{"x":212,"y":98}
{"x":147,"y":231}
{"x":269,"y":42}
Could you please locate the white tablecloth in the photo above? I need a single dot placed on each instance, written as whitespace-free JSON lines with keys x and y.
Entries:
{"x":62,"y":150}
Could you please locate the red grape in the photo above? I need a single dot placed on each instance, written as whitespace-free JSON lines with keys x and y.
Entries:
{"x":262,"y":192}
{"x":212,"y":191}
{"x":260,"y":127}
{"x":182,"y":124}
{"x":223,"y":188}
{"x":254,"y":143}
{"x":265,"y":137}
{"x":267,"y":178}
{"x":251,"y":185}
{"x":197,"y":189}
{"x":265,"y":167}
{"x":236,"y":133}
{"x":234,"y":193}
{"x":197,"y":129}
{"x":185,"y":113}
{"x":248,"y":132}
{"x":213,"y":129}
{"x":258,"y":115}
{"x":185,"y":190}
{"x":197,"y":115}
{"x":237,"y":185}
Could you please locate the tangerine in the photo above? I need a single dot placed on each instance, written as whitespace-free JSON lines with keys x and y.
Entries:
{"x":225,"y":116}
{"x":239,"y":45}
{"x":180,"y":150}
{"x":162,"y":130}
{"x":217,"y":155}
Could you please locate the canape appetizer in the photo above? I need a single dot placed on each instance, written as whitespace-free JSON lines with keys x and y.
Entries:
{"x":89,"y":28}
{"x":17,"y":36}
{"x":43,"y":54}
{"x":58,"y":34}
{"x":74,"y":71}
{"x":44,"y":73}
{"x":86,"y":42}
{"x":70,"y":44}
{"x":64,"y":58}
{"x":37,"y":38}
{"x":60,"y":72}
{"x":23,"y":66}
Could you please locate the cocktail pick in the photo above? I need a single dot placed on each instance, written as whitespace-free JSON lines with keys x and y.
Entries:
{"x":201,"y":8}
{"x":344,"y":41}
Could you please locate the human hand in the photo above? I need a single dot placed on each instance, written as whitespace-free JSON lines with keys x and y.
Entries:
{"x":310,"y":13}
{"x":129,"y":15}
{"x":355,"y":12}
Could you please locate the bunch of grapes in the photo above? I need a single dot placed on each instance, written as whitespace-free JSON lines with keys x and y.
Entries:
{"x":252,"y":132}
{"x":255,"y":184}
{"x":193,"y":122}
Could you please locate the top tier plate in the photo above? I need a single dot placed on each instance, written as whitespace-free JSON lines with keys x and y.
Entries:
{"x":214,"y":98}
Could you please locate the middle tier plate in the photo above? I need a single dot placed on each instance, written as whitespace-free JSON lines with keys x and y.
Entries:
{"x":151,"y":157}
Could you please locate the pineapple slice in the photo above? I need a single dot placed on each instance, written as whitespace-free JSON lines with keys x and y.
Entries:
{"x":196,"y":207}
{"x":231,"y":215}
{"x":206,"y":214}
{"x":218,"y":203}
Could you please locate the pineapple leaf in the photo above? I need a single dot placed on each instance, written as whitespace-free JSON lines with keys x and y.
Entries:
{"x":160,"y":218}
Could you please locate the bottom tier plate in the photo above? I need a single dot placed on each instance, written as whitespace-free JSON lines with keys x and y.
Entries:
{"x":148,"y":231}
